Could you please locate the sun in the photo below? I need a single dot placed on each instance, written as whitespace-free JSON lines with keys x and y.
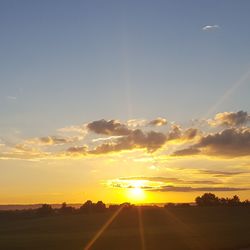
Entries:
{"x":135,"y":192}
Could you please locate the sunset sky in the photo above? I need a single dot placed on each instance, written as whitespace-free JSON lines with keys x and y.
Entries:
{"x":139,"y":101}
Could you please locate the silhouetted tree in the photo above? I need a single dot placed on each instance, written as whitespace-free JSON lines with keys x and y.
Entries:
{"x":45,"y":210}
{"x":99,"y":206}
{"x":66,"y":209}
{"x":169,"y":205}
{"x":246,"y":203}
{"x":87,"y":207}
{"x":207,"y":199}
{"x":235,"y":201}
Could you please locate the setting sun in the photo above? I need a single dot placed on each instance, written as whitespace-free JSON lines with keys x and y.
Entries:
{"x":136,"y":194}
{"x":135,"y":191}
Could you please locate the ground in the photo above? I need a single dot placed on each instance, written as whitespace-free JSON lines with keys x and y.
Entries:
{"x":138,"y":228}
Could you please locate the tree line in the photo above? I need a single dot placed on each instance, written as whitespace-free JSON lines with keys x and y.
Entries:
{"x":207,"y":199}
{"x":210,"y":199}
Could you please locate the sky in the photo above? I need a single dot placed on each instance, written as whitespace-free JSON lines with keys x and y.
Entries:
{"x":139,"y":101}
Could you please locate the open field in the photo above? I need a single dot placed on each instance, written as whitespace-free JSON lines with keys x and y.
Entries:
{"x":137,"y":228}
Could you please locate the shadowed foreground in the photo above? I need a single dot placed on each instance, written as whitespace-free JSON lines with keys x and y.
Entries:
{"x":136,"y":228}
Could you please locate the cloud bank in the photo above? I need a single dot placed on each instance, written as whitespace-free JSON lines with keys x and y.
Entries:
{"x":101,"y":137}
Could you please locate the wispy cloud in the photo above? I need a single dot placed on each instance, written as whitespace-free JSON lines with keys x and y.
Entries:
{"x":109,"y":138}
{"x":210,"y":27}
{"x":164,"y":184}
{"x":197,"y":189}
{"x":81,"y":129}
{"x":217,"y":173}
{"x":9,"y":97}
{"x":161,"y":179}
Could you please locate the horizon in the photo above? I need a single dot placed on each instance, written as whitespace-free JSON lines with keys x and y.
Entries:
{"x":124,"y":101}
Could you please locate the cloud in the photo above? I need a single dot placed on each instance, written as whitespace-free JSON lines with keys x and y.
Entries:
{"x":81,"y":129}
{"x":187,"y":151}
{"x":177,"y":133}
{"x":9,"y":97}
{"x":134,"y":123}
{"x":233,"y":142}
{"x":158,"y":122}
{"x":121,"y":138}
{"x":190,"y":134}
{"x":24,"y":152}
{"x":230,"y":119}
{"x":197,"y":189}
{"x":168,"y":180}
{"x":78,"y":150}
{"x":52,"y":140}
{"x":135,"y":139}
{"x":161,"y":184}
{"x":110,"y":138}
{"x":210,"y":27}
{"x":222,"y":173}
{"x":110,"y":127}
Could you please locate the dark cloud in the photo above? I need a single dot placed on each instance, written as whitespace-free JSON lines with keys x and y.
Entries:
{"x":78,"y":150}
{"x":158,"y":122}
{"x":150,"y":178}
{"x":187,"y":151}
{"x":136,"y":139}
{"x":110,"y":127}
{"x":129,"y":139}
{"x":169,"y":179}
{"x":196,"y":189}
{"x":230,"y":119}
{"x":231,"y":142}
{"x":175,"y":133}
{"x":161,"y":184}
{"x":222,"y":173}
{"x":190,"y":133}
{"x":52,"y":140}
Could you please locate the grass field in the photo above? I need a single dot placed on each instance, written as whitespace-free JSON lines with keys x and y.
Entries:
{"x":138,"y":228}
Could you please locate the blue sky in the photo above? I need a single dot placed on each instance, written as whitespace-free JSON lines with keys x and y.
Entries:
{"x":69,"y":64}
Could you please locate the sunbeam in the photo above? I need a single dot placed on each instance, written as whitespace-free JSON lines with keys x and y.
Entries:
{"x":103,"y":228}
{"x":185,"y":232}
{"x":141,"y":228}
{"x":228,"y":93}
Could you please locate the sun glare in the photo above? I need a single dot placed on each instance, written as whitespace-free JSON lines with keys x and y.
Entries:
{"x":135,"y":191}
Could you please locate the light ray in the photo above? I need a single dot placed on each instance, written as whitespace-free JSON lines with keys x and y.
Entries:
{"x":141,"y":228}
{"x":228,"y":93}
{"x":103,"y":228}
{"x":186,"y":231}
